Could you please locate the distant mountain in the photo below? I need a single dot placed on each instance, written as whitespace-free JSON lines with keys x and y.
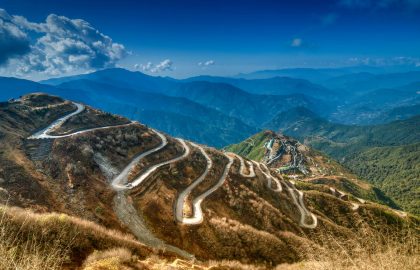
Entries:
{"x":220,"y":128}
{"x":360,"y":83}
{"x":372,"y":106}
{"x":319,"y":75}
{"x":122,"y":78}
{"x":311,"y":74}
{"x":13,"y":88}
{"x":273,"y":86}
{"x":251,"y":108}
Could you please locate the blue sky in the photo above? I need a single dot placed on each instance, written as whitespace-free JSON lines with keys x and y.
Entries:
{"x":226,"y":37}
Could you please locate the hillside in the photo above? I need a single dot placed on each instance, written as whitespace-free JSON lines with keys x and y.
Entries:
{"x":394,"y":169}
{"x":297,"y":161}
{"x":352,"y":144}
{"x":174,"y":195}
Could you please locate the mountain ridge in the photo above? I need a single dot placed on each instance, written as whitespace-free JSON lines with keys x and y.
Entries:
{"x":76,"y":167}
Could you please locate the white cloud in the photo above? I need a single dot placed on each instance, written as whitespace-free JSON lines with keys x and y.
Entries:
{"x":206,"y":63}
{"x":165,"y":65}
{"x":400,"y":60}
{"x":13,"y":41}
{"x":62,"y":45}
{"x":296,"y":42}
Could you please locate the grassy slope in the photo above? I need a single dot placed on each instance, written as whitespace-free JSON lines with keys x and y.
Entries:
{"x":396,"y":170}
{"x":56,"y":241}
{"x":253,"y":147}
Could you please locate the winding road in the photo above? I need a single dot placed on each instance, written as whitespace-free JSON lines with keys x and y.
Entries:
{"x":44,"y":133}
{"x":153,"y":168}
{"x":297,"y":200}
{"x":304,"y":212}
{"x":128,"y":215}
{"x":197,"y":212}
{"x":120,"y":181}
{"x":269,"y":177}
{"x":125,"y":211}
{"x":242,"y":166}
{"x":354,"y":206}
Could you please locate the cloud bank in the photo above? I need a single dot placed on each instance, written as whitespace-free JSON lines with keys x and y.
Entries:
{"x":61,"y":45}
{"x":165,"y":65}
{"x":206,"y":63}
{"x":394,"y":61}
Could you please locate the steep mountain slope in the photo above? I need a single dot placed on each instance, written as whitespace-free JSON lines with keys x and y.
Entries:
{"x":349,"y":143}
{"x":187,"y":199}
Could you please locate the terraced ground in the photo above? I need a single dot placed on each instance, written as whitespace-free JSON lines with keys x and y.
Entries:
{"x":190,"y":200}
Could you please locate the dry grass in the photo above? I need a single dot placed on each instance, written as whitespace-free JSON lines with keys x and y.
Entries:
{"x":22,"y":251}
{"x":49,"y":241}
{"x":373,"y":251}
{"x":232,"y":265}
{"x":109,"y":259}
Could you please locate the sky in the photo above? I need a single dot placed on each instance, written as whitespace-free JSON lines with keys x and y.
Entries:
{"x":50,"y":38}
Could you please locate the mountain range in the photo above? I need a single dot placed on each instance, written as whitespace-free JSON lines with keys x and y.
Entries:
{"x":345,"y":112}
{"x":126,"y":195}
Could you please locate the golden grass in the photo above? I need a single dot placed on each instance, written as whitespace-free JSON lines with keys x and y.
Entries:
{"x":109,"y":259}
{"x":372,"y":251}
{"x":19,"y":250}
{"x":48,"y":241}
